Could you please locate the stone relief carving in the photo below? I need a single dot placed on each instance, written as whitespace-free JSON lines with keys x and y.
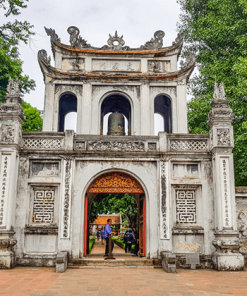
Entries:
{"x":219,"y":93}
{"x":115,"y":42}
{"x":4,"y":176}
{"x":164,"y":89}
{"x":223,"y":137}
{"x":45,"y":169}
{"x":116,"y":146}
{"x":8,"y":133}
{"x":80,"y":146}
{"x":60,"y":88}
{"x":185,"y":206}
{"x":66,"y":202}
{"x":11,"y":108}
{"x":42,"y":56}
{"x":159,"y":66}
{"x":156,"y":42}
{"x":13,"y":87}
{"x":163,"y":201}
{"x":152,"y":146}
{"x":76,"y":39}
{"x":190,"y":60}
{"x":116,"y":65}
{"x":52,"y":33}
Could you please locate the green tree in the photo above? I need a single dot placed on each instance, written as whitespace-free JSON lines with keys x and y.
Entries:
{"x":125,"y":205}
{"x":215,"y":30}
{"x":33,"y":121}
{"x":11,"y":34}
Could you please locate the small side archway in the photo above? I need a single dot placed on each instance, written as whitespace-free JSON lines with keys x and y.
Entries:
{"x":115,"y":103}
{"x":163,"y":107}
{"x":67,"y":104}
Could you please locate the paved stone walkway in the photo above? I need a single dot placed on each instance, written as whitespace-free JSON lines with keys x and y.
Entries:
{"x":24,"y":281}
{"x":98,"y":248}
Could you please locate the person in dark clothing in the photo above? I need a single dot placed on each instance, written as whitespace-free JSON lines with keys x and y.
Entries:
{"x":136,"y":248}
{"x":98,"y":235}
{"x":128,"y":240}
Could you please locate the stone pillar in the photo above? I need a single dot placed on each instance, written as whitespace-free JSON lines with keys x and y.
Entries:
{"x":181,"y":116}
{"x":145,"y":110}
{"x":48,"y":124}
{"x":11,"y":117}
{"x":226,"y":242}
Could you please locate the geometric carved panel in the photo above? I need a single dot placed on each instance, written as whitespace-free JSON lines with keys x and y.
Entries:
{"x":43,"y":205}
{"x":185,"y":206}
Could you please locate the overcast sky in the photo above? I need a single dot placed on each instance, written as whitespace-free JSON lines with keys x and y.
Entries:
{"x":136,"y":20}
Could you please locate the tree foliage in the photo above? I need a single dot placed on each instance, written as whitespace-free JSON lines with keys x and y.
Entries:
{"x":125,"y":205}
{"x":215,"y":30}
{"x":33,"y":122}
{"x":11,"y":34}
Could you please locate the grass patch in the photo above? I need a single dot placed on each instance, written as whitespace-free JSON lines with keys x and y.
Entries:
{"x":121,"y":244}
{"x":91,"y":243}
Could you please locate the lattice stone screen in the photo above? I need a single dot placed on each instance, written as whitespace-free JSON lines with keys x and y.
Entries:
{"x":34,"y":143}
{"x":43,"y":206}
{"x":185,"y":206}
{"x":188,"y":145}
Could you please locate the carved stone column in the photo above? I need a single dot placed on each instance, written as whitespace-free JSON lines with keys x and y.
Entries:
{"x":11,"y":117}
{"x":226,"y":242}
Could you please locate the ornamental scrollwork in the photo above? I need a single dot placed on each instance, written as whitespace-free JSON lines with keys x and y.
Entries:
{"x":60,"y":88}
{"x":156,"y":42}
{"x":115,"y":183}
{"x":179,"y":39}
{"x":190,"y":60}
{"x":116,"y":146}
{"x":223,"y":137}
{"x":75,"y":38}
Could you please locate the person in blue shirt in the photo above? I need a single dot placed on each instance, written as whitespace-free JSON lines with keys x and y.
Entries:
{"x":108,"y":231}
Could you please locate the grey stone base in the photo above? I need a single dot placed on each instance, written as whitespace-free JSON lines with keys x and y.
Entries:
{"x":205,"y":261}
{"x":7,"y":260}
{"x":228,"y":261}
{"x":61,"y":262}
{"x":168,"y":262}
{"x":37,"y":262}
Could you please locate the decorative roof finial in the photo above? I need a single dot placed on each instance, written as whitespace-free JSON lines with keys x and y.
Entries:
{"x":219,"y":93}
{"x":76,"y":39}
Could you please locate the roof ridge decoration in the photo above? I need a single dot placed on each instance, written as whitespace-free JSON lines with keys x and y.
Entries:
{"x":112,"y":43}
{"x":75,"y":38}
{"x":42,"y":56}
{"x":179,"y":39}
{"x":52,"y":33}
{"x":156,"y":42}
{"x":190,"y":59}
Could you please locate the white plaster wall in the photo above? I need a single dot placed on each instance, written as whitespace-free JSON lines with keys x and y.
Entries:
{"x":144,"y":172}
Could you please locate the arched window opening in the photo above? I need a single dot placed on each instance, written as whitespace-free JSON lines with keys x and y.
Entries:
{"x":159,"y":124}
{"x":67,"y":104}
{"x":70,"y":121}
{"x":162,"y":106}
{"x":105,"y":124}
{"x":115,"y":103}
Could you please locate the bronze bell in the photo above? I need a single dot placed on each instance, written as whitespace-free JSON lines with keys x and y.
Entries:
{"x":116,"y":124}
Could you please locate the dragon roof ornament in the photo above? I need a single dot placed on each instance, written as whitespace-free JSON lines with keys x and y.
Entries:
{"x":190,"y":59}
{"x":75,"y":38}
{"x":156,"y":42}
{"x":52,"y":33}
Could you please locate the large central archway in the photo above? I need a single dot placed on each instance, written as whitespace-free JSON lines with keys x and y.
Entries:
{"x":118,"y":182}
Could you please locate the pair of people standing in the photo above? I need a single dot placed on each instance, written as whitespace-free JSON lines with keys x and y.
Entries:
{"x":107,"y":232}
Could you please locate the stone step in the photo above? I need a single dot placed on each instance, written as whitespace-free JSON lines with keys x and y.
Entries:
{"x":118,"y":263}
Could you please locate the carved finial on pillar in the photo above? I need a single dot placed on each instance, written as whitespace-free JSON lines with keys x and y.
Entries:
{"x":13,"y":91}
{"x":219,"y":93}
{"x":11,"y":114}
